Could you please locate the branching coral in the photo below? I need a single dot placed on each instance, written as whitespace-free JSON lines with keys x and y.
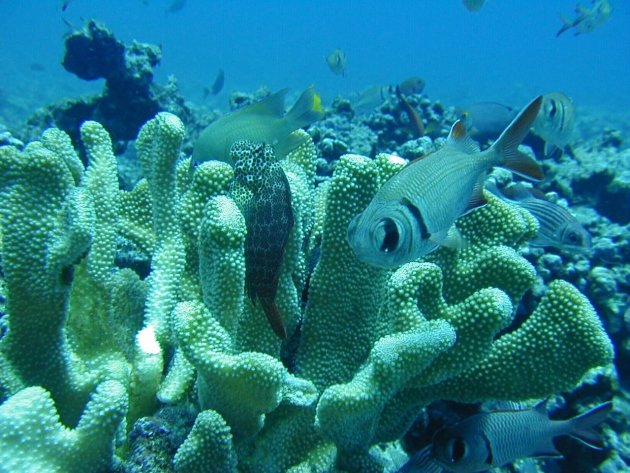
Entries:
{"x":369,"y":349}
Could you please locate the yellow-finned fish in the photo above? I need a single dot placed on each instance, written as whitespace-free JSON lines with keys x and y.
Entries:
{"x":555,"y":121}
{"x":262,"y":122}
{"x":587,"y":19}
{"x":415,"y":209}
{"x":337,"y":62}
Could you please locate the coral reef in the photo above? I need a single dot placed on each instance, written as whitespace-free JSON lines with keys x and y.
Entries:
{"x":367,"y":349}
{"x":130,"y":97}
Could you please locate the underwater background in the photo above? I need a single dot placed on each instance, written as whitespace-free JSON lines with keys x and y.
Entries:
{"x":141,"y":332}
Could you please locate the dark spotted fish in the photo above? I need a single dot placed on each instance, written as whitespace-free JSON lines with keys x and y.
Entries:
{"x":261,"y":191}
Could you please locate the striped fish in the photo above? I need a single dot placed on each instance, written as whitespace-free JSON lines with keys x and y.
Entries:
{"x":496,"y":438}
{"x":415,"y":210}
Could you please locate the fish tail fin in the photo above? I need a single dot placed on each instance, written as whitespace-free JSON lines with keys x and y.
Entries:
{"x":306,"y":110}
{"x":273,"y":316}
{"x":582,"y":425}
{"x":507,"y":144}
{"x":566,"y":24}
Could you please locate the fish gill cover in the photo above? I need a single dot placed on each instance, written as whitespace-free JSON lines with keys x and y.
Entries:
{"x":132,"y":332}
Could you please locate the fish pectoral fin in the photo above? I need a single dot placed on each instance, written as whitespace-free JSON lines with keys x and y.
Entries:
{"x":450,"y":238}
{"x":477,"y":198}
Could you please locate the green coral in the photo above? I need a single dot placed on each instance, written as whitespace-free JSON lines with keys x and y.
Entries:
{"x":371,"y":347}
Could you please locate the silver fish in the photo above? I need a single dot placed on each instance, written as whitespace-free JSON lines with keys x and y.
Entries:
{"x":557,"y":227}
{"x":415,"y":210}
{"x":337,"y":62}
{"x":587,"y":19}
{"x":496,"y":438}
{"x":555,"y":121}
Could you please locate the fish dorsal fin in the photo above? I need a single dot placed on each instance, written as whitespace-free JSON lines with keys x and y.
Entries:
{"x":273,"y":105}
{"x":476,"y":198}
{"x":459,"y":138}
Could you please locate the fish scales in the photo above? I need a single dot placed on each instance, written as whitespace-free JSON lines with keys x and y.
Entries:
{"x":261,"y":190}
{"x":516,"y":434}
{"x":450,"y":173}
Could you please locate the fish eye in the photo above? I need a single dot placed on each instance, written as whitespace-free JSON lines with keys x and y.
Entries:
{"x":457,"y":449}
{"x":553,"y":109}
{"x":388,"y":235}
{"x":574,"y":238}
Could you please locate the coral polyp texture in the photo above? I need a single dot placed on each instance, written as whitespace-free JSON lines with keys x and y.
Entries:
{"x":91,"y":347}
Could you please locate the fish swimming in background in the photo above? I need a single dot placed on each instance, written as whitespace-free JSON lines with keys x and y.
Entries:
{"x":555,"y":122}
{"x":557,"y":227}
{"x":587,"y":19}
{"x":216,"y":86}
{"x":416,"y":208}
{"x":473,"y":5}
{"x":175,"y":6}
{"x":415,"y":120}
{"x":412,"y":85}
{"x":261,"y":191}
{"x":262,"y":122}
{"x":337,"y":62}
{"x":496,"y":438}
{"x":486,"y":120}
{"x":65,"y":4}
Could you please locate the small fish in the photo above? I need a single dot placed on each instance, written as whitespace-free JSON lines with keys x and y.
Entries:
{"x":216,"y":86}
{"x":36,"y":67}
{"x":415,"y":120}
{"x":175,"y":6}
{"x":557,"y":227}
{"x":416,"y":208}
{"x":473,"y":5}
{"x":486,"y":120}
{"x":65,"y":4}
{"x":587,"y":19}
{"x":555,"y":122}
{"x":371,"y":98}
{"x":412,"y":85}
{"x":261,"y":191}
{"x":262,"y":122}
{"x":496,"y":438}
{"x":337,"y":62}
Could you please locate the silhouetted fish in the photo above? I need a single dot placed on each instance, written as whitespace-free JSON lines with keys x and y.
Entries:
{"x":587,"y":19}
{"x":216,"y":86}
{"x":337,"y":62}
{"x":261,"y":191}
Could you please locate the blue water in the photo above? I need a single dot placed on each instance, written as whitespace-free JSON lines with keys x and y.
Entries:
{"x":507,"y":52}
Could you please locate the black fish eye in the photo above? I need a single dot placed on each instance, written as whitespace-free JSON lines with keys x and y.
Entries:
{"x":573,"y":237}
{"x":390,"y":237}
{"x":553,"y":110}
{"x":457,"y":449}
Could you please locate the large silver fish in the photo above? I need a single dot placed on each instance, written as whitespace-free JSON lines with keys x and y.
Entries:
{"x":415,"y":210}
{"x":555,"y":121}
{"x":496,"y":438}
